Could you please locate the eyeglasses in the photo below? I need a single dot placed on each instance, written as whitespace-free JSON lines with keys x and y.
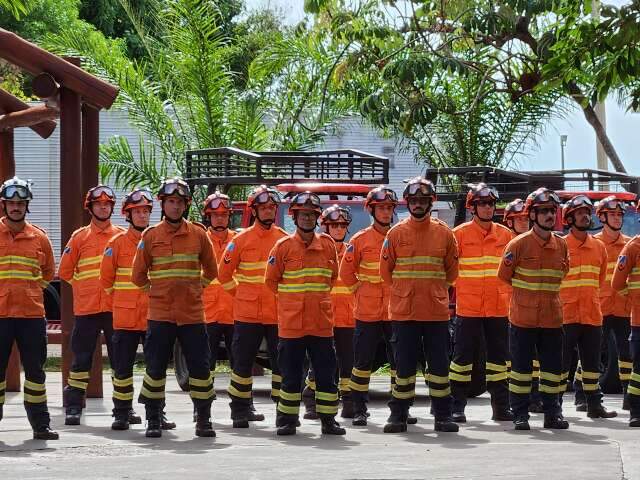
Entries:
{"x":21,"y":191}
{"x":304,"y":198}
{"x":138,"y":195}
{"x":384,"y":194}
{"x":216,"y":203}
{"x":101,"y":190}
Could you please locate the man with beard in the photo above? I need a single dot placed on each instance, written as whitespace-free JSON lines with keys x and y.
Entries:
{"x":419,"y":261}
{"x":580,"y":296}
{"x":175,"y":261}
{"x":26,"y":267}
{"x":130,"y":305}
{"x":534,"y":264}
{"x":254,"y":305}
{"x":80,"y":267}
{"x":482,"y":305}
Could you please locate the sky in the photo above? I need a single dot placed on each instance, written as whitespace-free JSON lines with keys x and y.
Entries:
{"x":580,"y":152}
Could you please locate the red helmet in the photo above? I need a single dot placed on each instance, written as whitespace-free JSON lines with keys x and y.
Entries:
{"x":99,"y":193}
{"x":140,"y":197}
{"x":576,"y":203}
{"x":175,"y":186}
{"x":217,"y":202}
{"x":381,"y":195}
{"x":514,"y":209}
{"x":335,"y":214}
{"x":542,"y":197}
{"x":480,"y":192}
{"x":263,"y":194}
{"x":305,"y":201}
{"x":419,"y":186}
{"x":609,"y":204}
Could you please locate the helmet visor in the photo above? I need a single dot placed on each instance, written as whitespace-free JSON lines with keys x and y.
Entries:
{"x":335,"y":215}
{"x":423,"y":188}
{"x":384,"y":194}
{"x":267,"y":196}
{"x":307,"y":198}
{"x":139,"y":195}
{"x":98,"y":192}
{"x":547,"y":197}
{"x":217,"y":203}
{"x":12,"y":190}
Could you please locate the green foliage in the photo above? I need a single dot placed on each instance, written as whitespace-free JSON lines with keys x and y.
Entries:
{"x":43,"y":17}
{"x":16,"y":8}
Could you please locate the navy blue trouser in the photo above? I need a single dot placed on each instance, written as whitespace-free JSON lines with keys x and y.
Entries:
{"x":125,"y":346}
{"x":633,"y":391}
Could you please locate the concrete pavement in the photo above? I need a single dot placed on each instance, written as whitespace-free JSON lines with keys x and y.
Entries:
{"x":590,"y":449}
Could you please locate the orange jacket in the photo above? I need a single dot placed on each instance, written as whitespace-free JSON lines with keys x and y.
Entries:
{"x":26,"y":267}
{"x":580,"y":289}
{"x":611,"y":302}
{"x":360,"y":270}
{"x":130,"y":304}
{"x":245,"y":259}
{"x":177,"y":263}
{"x":218,"y":302}
{"x":342,"y":298}
{"x":302,"y":277}
{"x":80,"y":266}
{"x":479,"y":293}
{"x":534,"y":268}
{"x":626,"y":277}
{"x":419,"y":260}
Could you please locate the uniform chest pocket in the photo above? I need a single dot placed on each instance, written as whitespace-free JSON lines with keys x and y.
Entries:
{"x":161,"y":249}
{"x":190,"y":247}
{"x":293,"y":267}
{"x":89,"y":250}
{"x":405,"y":249}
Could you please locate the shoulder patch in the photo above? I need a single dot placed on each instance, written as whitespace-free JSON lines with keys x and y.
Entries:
{"x":66,"y":250}
{"x":385,"y":244}
{"x":227,"y":252}
{"x":141,"y":245}
{"x":349,"y":248}
{"x":508,"y":259}
{"x":622,"y":262}
{"x":272,"y":260}
{"x":108,"y":252}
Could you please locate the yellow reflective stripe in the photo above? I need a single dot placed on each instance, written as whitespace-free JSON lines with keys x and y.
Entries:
{"x":342,"y":290}
{"x":200,"y":382}
{"x":623,"y":364}
{"x":29,"y":262}
{"x":20,"y":274}
{"x":519,"y":389}
{"x":291,"y":397}
{"x":522,"y":377}
{"x":547,"y":389}
{"x":419,"y":260}
{"x":35,"y":398}
{"x":459,"y":377}
{"x":491,"y":272}
{"x":201,"y":395}
{"x":440,"y":393}
{"x":633,"y":390}
{"x":547,"y":287}
{"x":405,"y":381}
{"x":85,"y":274}
{"x":178,"y":257}
{"x":327,"y":409}
{"x":633,"y":285}
{"x":308,"y":272}
{"x":77,"y":384}
{"x":496,"y":377}
{"x":249,"y":278}
{"x":149,"y":394}
{"x":496,"y":367}
{"x":635,"y":271}
{"x":241,"y":380}
{"x":584,"y":269}
{"x":550,"y":377}
{"x":79,"y":375}
{"x":38,"y":387}
{"x":544,"y":272}
{"x":461,"y":368}
{"x":303,"y":287}
{"x":125,"y":286}
{"x":295,"y":410}
{"x":43,"y":283}
{"x":479,"y":260}
{"x":252,"y":265}
{"x":370,"y":265}
{"x":237,"y":393}
{"x":89,"y":260}
{"x":327,"y":397}
{"x":361,"y":373}
{"x":590,"y":375}
{"x":404,"y":395}
{"x":124,"y":271}
{"x":585,"y":282}
{"x":227,"y":286}
{"x":369,"y":278}
{"x":276,"y":378}
{"x":123,"y":396}
{"x":358,"y":387}
{"x":124,"y":382}
{"x":437,"y":379}
{"x":154,"y":383}
{"x":418,"y":274}
{"x":174,"y":272}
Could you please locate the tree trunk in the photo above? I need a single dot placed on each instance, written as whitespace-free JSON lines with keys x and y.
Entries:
{"x":594,"y":121}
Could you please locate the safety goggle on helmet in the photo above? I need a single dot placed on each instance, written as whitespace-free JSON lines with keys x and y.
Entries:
{"x":514,"y":209}
{"x":307,"y":201}
{"x":610,"y":204}
{"x":576,"y":203}
{"x":16,"y":187}
{"x":481,"y":192}
{"x":140,"y":197}
{"x":419,"y":186}
{"x":99,"y":193}
{"x":217,"y":202}
{"x":174,"y":186}
{"x":262,"y":195}
{"x":380,"y":195}
{"x":542,"y":197}
{"x":336,"y":214}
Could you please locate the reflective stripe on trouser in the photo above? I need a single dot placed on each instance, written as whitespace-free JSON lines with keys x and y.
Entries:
{"x":524,"y":343}
{"x":125,"y":348}
{"x":633,"y":389}
{"x":30,"y":336}
{"x":409,"y":339}
{"x":158,"y":348}
{"x":366,"y":338}
{"x":620,"y":329}
{"x":471,"y":334}
{"x":291,"y":356}
{"x":587,"y":338}
{"x":247,"y":338}
{"x":87,"y":330}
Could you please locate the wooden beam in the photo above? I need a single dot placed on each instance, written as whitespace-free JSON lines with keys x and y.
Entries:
{"x":7,"y":158}
{"x":9,"y":104}
{"x":35,"y":60}
{"x":45,"y":86}
{"x":28,"y":117}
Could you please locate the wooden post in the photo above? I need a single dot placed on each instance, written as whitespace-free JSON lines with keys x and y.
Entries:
{"x":71,"y":198}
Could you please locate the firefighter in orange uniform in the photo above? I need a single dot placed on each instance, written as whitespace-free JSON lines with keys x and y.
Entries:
{"x":26,"y":267}
{"x":130,"y":305}
{"x":534,"y":264}
{"x":336,"y":221}
{"x":254,"y":305}
{"x":419,"y":260}
{"x":301,"y":270}
{"x":626,"y":281}
{"x":218,"y":299}
{"x":580,"y":296}
{"x":80,"y":267}
{"x":482,"y":304}
{"x":616,"y":308}
{"x":175,"y":261}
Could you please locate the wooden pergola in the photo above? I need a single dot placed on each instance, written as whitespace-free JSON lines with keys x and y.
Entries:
{"x":74,"y":98}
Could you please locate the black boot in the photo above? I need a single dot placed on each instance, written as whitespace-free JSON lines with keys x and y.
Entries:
{"x":154,"y":427}
{"x":330,"y":426}
{"x":347,"y":408}
{"x":359,"y":414}
{"x":581,"y":407}
{"x":536,"y":407}
{"x":204,"y":427}
{"x":286,"y":429}
{"x":599,"y":411}
{"x":459,"y":417}
{"x":309,"y":407}
{"x":446,"y":425}
{"x":73,"y":415}
{"x":634,"y":422}
{"x":1,"y":408}
{"x":134,"y":418}
{"x":502,"y":414}
{"x":44,"y":432}
{"x":254,"y":416}
{"x":395,"y":425}
{"x":521,"y":423}
{"x":556,"y":422}
{"x":165,"y":423}
{"x":120,"y":422}
{"x":411,"y":420}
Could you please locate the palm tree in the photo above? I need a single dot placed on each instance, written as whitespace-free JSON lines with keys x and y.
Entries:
{"x":17,"y":8}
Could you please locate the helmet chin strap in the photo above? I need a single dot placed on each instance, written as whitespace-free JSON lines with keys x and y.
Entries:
{"x":606,"y":221}
{"x":220,"y":229}
{"x":418,"y":215}
{"x":475,"y":212}
{"x":382,"y":224}
{"x":305,"y":230}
